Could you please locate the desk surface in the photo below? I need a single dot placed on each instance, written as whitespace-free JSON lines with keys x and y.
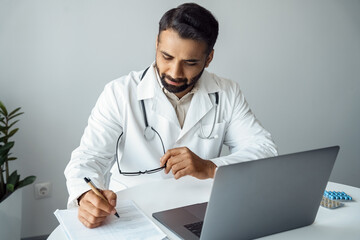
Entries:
{"x":340,"y":223}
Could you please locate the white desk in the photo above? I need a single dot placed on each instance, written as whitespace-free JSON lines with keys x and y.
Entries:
{"x":340,"y":223}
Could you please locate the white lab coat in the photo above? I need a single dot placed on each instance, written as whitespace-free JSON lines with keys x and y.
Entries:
{"x":118,"y":110}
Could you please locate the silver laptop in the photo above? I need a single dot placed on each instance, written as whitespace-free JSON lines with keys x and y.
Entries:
{"x":253,"y":199}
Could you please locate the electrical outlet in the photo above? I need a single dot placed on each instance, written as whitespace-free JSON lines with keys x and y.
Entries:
{"x":42,"y":190}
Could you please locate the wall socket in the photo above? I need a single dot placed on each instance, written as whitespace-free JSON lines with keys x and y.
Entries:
{"x":42,"y":190}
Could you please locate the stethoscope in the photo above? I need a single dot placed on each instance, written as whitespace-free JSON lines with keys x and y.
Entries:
{"x":149,"y":132}
{"x":202,"y":136}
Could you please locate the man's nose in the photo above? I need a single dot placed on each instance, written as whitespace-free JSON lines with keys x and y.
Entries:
{"x":176,"y":70}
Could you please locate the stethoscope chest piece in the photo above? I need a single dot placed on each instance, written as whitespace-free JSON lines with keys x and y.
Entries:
{"x":149,"y":134}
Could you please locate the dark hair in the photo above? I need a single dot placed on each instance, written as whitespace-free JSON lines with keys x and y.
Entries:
{"x":193,"y":22}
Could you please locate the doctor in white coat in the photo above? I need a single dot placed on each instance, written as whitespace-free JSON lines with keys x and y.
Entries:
{"x":169,"y":120}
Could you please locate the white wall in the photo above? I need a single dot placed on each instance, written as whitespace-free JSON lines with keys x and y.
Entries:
{"x":297,"y":62}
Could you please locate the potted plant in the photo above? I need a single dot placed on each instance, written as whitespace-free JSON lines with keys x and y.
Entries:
{"x":10,"y":182}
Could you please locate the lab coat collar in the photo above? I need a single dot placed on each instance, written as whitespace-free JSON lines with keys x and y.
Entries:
{"x":149,"y":88}
{"x":208,"y":84}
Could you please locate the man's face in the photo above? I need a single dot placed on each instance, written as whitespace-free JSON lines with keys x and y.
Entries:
{"x":180,"y":62}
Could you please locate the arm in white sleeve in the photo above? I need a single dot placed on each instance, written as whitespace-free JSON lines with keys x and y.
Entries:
{"x":95,"y":155}
{"x":245,"y":137}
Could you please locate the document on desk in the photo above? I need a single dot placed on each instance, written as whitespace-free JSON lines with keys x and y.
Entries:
{"x":132,"y":224}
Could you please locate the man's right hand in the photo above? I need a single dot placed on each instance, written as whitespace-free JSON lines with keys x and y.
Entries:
{"x":93,"y":210}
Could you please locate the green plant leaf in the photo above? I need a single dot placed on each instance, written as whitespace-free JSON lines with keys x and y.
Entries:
{"x":2,"y":159}
{"x":12,"y":159}
{"x":3,"y":109}
{"x":17,"y":180}
{"x":13,"y":178}
{"x":12,"y":124}
{"x":3,"y":139}
{"x":14,"y":116}
{"x":12,"y":132}
{"x":5,"y":148}
{"x":14,"y":111}
{"x":3,"y":129}
{"x":10,"y":187}
{"x":2,"y":120}
{"x":26,"y":181}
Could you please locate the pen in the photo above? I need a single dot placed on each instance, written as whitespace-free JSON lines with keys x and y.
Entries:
{"x":96,"y":191}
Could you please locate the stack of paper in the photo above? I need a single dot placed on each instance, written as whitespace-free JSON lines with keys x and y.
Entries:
{"x":132,"y":224}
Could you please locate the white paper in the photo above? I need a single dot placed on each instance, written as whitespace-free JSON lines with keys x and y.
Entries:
{"x":132,"y":224}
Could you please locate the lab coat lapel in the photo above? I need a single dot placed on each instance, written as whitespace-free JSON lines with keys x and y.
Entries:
{"x":200,"y":105}
{"x":149,"y":89}
{"x":162,"y":106}
{"x":201,"y":102}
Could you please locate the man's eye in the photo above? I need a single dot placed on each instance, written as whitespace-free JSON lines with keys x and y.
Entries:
{"x":191,"y":63}
{"x":166,"y":57}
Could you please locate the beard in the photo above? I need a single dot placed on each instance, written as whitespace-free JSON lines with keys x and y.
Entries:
{"x":177,"y":89}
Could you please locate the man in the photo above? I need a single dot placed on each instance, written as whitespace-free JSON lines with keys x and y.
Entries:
{"x":173,"y":115}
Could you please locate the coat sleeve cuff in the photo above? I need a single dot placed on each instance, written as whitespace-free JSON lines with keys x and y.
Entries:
{"x":218,"y":161}
{"x":73,"y":198}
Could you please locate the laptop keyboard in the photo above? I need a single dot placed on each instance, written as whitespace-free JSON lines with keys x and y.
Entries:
{"x":195,"y":228}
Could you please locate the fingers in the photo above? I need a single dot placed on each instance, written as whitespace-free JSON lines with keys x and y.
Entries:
{"x":89,"y":220}
{"x":182,"y":161}
{"x":179,"y":165}
{"x":93,"y":210}
{"x":181,"y":173}
{"x":180,"y":168}
{"x":87,"y":209}
{"x":170,"y":153}
{"x":100,"y":203}
{"x":173,"y":164}
{"x":110,"y":196}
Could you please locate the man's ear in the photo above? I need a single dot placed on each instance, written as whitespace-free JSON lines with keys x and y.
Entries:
{"x":209,"y":58}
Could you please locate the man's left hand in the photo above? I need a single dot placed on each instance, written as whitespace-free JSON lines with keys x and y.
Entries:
{"x":181,"y":161}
